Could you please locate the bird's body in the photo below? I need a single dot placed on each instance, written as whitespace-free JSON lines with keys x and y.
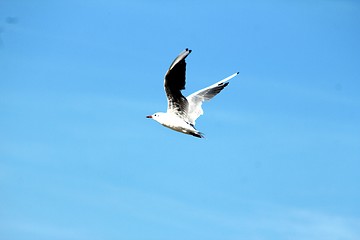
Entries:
{"x":182,"y":112}
{"x":174,"y":122}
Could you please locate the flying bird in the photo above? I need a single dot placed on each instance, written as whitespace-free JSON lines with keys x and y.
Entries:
{"x":182,"y":112}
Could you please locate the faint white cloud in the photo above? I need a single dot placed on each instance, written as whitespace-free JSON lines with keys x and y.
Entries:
{"x":309,"y":224}
{"x":257,"y":221}
{"x":41,"y":230}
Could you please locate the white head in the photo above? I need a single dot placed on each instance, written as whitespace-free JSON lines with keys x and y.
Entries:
{"x":157,"y":117}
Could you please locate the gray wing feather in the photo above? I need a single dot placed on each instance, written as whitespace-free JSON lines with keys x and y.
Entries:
{"x":196,"y":99}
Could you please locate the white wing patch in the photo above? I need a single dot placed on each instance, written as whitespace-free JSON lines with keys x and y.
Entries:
{"x":196,"y":99}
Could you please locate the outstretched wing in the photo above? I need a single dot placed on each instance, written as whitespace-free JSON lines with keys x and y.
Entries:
{"x":174,"y":83}
{"x":197,"y":98}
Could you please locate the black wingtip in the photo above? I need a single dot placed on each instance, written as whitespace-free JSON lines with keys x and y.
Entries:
{"x":188,"y":50}
{"x":237,"y":72}
{"x":197,"y":134}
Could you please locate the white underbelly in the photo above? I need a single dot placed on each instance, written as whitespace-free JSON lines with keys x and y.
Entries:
{"x":180,"y":126}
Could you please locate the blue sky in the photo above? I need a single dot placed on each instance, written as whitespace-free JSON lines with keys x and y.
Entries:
{"x":79,"y":160}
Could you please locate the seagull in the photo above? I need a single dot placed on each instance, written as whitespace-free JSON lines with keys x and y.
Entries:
{"x":182,"y":112}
